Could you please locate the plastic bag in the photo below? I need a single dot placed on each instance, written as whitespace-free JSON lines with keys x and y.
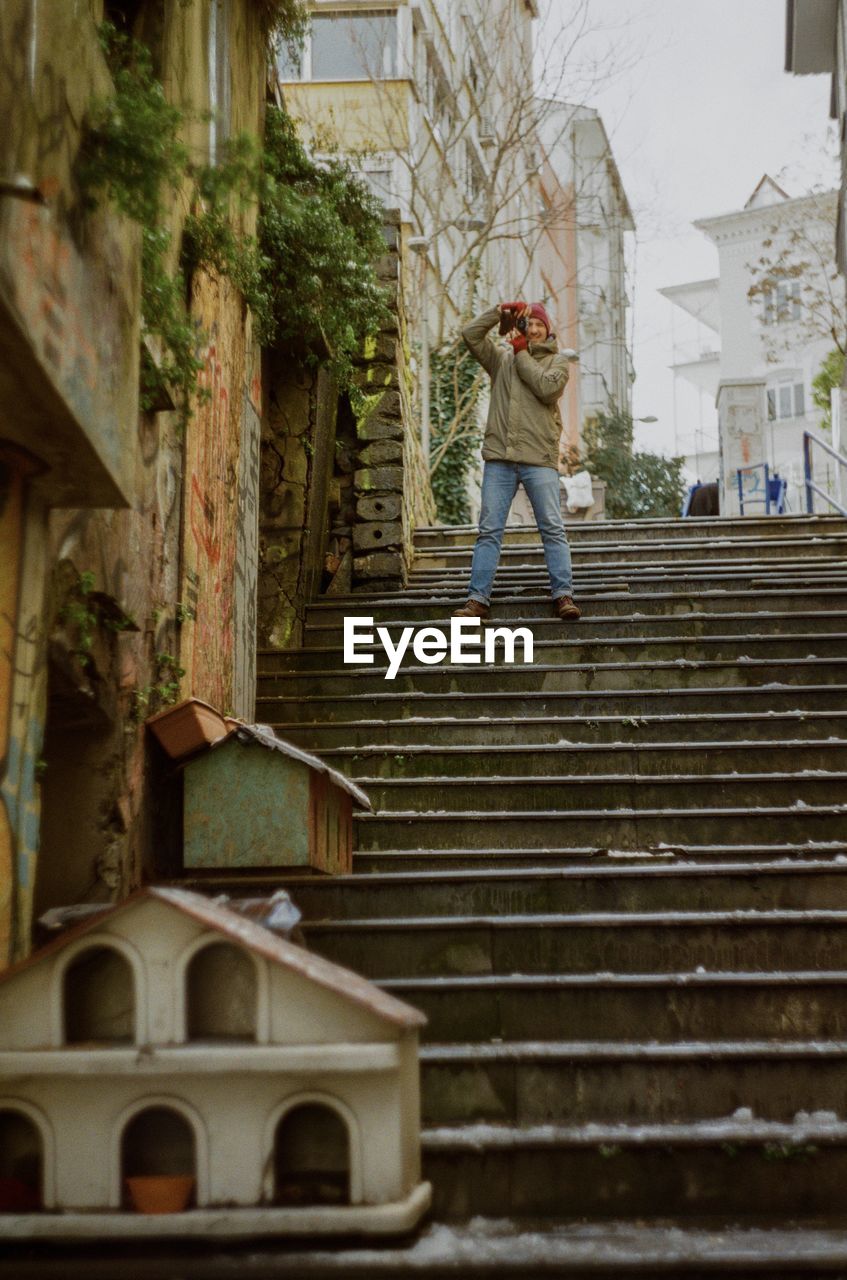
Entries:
{"x":579,"y":491}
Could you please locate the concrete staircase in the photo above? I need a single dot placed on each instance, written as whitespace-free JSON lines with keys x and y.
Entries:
{"x":616,"y":882}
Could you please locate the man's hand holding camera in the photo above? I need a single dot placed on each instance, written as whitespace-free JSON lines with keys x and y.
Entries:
{"x":514,"y":319}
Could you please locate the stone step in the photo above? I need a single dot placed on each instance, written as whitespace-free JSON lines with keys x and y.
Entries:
{"x":703,"y":527}
{"x":584,"y":759}
{"x":659,"y":552}
{"x":585,"y":952}
{"x":727,"y":1166}
{"x":801,"y":556}
{"x":593,"y":579}
{"x":570,"y":705}
{"x":632,"y":1082}
{"x":497,"y":793}
{"x":570,"y":647}
{"x":488,"y":857}
{"x":433,"y":607}
{"x":666,"y":942}
{"x":540,"y":677}
{"x":616,"y":731}
{"x":330,"y":638}
{"x":816,"y":884}
{"x":599,"y":580}
{"x":659,"y":1007}
{"x":678,"y":1249}
{"x":600,"y":829}
{"x":588,"y":589}
{"x":622,"y":576}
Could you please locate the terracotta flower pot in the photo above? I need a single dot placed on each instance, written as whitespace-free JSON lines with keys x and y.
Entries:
{"x":160,"y":1193}
{"x":187,"y":727}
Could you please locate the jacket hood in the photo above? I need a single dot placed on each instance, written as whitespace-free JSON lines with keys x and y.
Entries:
{"x":547,"y":347}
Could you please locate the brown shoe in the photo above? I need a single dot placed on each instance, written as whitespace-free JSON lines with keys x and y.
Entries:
{"x":565,"y":609}
{"x":473,"y":609}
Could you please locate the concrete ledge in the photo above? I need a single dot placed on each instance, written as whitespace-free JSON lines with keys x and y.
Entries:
{"x":199,"y":1059}
{"x":368,"y":1219}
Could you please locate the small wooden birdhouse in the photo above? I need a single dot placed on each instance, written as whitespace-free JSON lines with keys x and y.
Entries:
{"x":252,"y":800}
{"x":172,"y":1067}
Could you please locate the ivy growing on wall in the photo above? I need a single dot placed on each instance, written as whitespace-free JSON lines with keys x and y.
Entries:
{"x":320,"y":232}
{"x":308,"y":276}
{"x":456,"y":433}
{"x":132,"y":155}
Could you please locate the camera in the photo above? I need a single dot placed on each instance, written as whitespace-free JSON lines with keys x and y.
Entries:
{"x":520,"y":324}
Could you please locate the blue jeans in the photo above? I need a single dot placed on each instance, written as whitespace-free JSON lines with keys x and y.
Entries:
{"x":500,"y":482}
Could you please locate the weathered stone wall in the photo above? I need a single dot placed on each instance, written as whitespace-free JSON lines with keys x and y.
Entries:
{"x":343,"y":480}
{"x":391,"y":492}
{"x":142,"y":578}
{"x":298,"y":444}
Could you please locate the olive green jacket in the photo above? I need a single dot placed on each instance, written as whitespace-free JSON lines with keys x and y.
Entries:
{"x":524,"y":424}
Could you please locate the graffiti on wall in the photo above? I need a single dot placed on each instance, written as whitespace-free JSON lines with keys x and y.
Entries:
{"x":211,"y":484}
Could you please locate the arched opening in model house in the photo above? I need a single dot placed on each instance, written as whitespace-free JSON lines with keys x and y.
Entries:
{"x":158,"y":1161}
{"x":311,"y":1157}
{"x":21,"y":1163}
{"x":221,"y":994}
{"x":99,"y":998}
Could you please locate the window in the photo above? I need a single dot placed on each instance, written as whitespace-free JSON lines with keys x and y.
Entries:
{"x":381,"y":184}
{"x":782,"y":303}
{"x":439,"y":99}
{"x":474,"y":176}
{"x":477,"y":65}
{"x":290,"y":63}
{"x":345,"y":46}
{"x":377,"y":173}
{"x":787,"y":400}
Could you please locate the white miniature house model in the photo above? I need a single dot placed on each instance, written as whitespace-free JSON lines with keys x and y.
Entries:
{"x":171,"y":1041}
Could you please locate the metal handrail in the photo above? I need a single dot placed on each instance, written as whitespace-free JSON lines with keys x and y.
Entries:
{"x":777,"y":499}
{"x":811,"y":487}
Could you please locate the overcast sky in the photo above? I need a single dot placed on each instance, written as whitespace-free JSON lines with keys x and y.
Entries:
{"x":698,"y":111}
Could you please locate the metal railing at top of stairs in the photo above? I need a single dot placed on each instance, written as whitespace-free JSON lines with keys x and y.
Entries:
{"x":775,"y":489}
{"x":810,"y":438}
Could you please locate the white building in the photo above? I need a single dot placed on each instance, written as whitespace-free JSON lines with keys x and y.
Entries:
{"x":695,"y":338}
{"x":776,"y":335}
{"x":171,"y":1044}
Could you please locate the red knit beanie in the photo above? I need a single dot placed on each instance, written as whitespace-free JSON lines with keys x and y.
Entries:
{"x":540,"y":313}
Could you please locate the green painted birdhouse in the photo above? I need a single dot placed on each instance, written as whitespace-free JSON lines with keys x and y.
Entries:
{"x":252,"y":800}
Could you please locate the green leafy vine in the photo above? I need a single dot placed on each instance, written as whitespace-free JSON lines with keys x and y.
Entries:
{"x":308,"y":275}
{"x":456,"y":433}
{"x":162,"y":692}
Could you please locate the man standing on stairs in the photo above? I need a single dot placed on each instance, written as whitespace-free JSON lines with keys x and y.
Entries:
{"x":521,"y":446}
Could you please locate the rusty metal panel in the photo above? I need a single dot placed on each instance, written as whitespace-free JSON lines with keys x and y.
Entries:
{"x":246,"y":807}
